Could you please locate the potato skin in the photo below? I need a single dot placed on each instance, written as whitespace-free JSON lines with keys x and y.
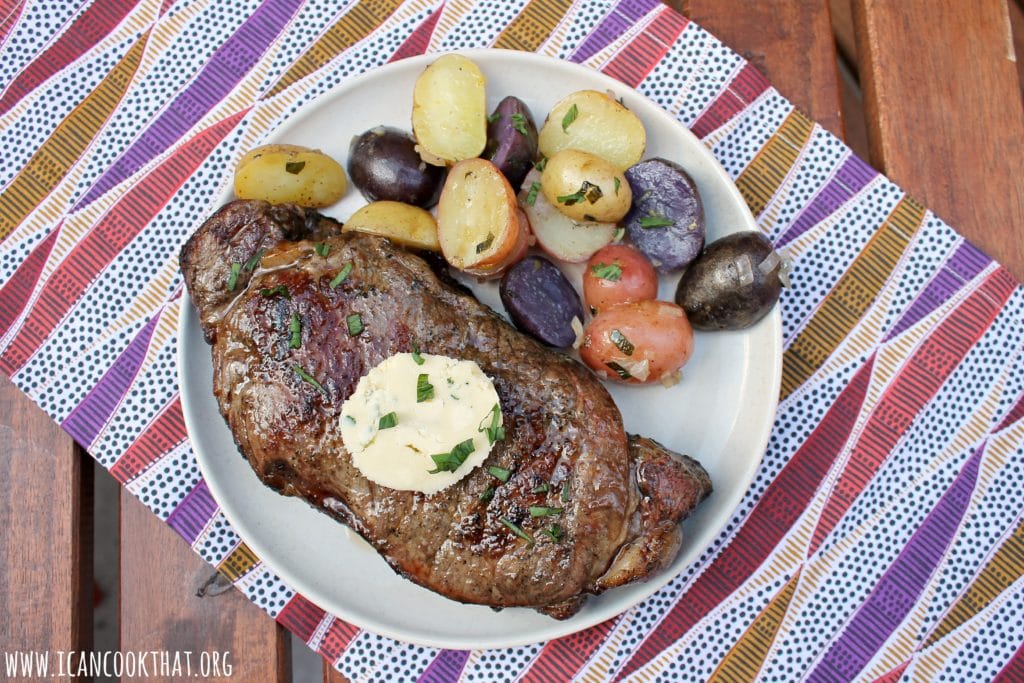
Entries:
{"x":290,"y":174}
{"x":512,"y":139}
{"x":402,"y":223}
{"x":585,"y":187}
{"x":732,"y":284}
{"x":618,"y":274}
{"x":384,"y":165}
{"x":666,"y":221}
{"x":540,"y":301}
{"x":637,"y":343}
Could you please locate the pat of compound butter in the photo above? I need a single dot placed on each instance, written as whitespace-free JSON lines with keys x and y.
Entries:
{"x":461,"y":408}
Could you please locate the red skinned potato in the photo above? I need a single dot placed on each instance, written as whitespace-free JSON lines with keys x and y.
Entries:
{"x":638,"y":343}
{"x":666,"y":221}
{"x":480,"y":226}
{"x":512,"y":139}
{"x":618,"y":274}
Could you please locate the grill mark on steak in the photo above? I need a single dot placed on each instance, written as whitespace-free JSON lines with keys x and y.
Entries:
{"x":627,"y":495}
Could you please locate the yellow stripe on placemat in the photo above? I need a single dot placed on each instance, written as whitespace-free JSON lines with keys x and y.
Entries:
{"x":238,"y":563}
{"x":760,"y":180}
{"x":747,"y":656}
{"x":851,"y":297}
{"x":534,"y":25}
{"x":62,"y":149}
{"x":357,"y":23}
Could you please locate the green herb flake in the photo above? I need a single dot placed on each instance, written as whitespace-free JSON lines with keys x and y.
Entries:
{"x":519,"y":123}
{"x":654,"y":220}
{"x":342,"y":275}
{"x":491,"y":118}
{"x":544,"y":511}
{"x":388,"y":421}
{"x":541,"y":488}
{"x":569,"y":117}
{"x":588,"y":191}
{"x":295,"y":167}
{"x":541,"y":164}
{"x":236,"y":268}
{"x":487,"y":495}
{"x":355,"y":324}
{"x":555,"y":533}
{"x":486,"y":244}
{"x":565,"y":491}
{"x":424,"y":389}
{"x":531,"y":196}
{"x":254,"y":261}
{"x":449,"y":462}
{"x":499,"y":473}
{"x":308,"y":379}
{"x":279,"y":290}
{"x":350,"y":420}
{"x":417,"y":358}
{"x":618,"y":184}
{"x":621,"y":342}
{"x":607,"y":271}
{"x":323,"y":249}
{"x":295,"y":326}
{"x":622,"y":372}
{"x":494,"y":430}
{"x":517,"y":530}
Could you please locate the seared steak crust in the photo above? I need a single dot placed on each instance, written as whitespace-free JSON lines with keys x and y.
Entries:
{"x":283,"y":405}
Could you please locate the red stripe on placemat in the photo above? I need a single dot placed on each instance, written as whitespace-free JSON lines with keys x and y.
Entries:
{"x":15,"y":293}
{"x":82,"y":35}
{"x":114,"y":231}
{"x":561,"y":659}
{"x":746,"y":87}
{"x":301,"y":617}
{"x":339,"y":634}
{"x":10,"y":12}
{"x":160,"y":437}
{"x":419,"y":39}
{"x":1013,"y":671}
{"x":1016,"y":413}
{"x":894,"y":674}
{"x":782,"y":504}
{"x":915,"y":385}
{"x":639,"y":57}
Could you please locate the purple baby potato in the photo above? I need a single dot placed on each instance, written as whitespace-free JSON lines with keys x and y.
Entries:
{"x":666,"y":221}
{"x":511,"y":140}
{"x":541,"y":301}
{"x":384,"y":164}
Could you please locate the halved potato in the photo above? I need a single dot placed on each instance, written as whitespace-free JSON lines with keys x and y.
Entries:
{"x":479,"y":224}
{"x":290,"y":174}
{"x":592,"y":121}
{"x":449,"y":111}
{"x":400,"y":222}
{"x":560,"y":236}
{"x":585,"y":187}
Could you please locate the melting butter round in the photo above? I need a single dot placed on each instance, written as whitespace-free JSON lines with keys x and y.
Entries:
{"x":460,"y":407}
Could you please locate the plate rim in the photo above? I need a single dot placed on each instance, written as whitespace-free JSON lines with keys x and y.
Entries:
{"x":187,"y":318}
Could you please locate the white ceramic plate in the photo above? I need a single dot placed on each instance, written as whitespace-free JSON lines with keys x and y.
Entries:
{"x":721,"y":413}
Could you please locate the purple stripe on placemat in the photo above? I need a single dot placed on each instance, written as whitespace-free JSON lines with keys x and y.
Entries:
{"x":446,"y":667}
{"x":193,"y":513}
{"x":902,"y":584}
{"x":623,"y":15}
{"x":851,"y":177}
{"x":87,"y":419}
{"x":224,"y":70}
{"x":962,"y":267}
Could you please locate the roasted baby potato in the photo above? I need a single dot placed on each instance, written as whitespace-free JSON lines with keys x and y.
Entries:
{"x":449,"y":111}
{"x":592,"y":121}
{"x":732,"y":284}
{"x":666,"y":221}
{"x":290,"y":174}
{"x":541,"y":301}
{"x":384,"y":165}
{"x":479,"y":224}
{"x":402,"y":223}
{"x":512,"y":139}
{"x":618,"y":274}
{"x":558,"y":235}
{"x":585,"y":187}
{"x":637,"y":343}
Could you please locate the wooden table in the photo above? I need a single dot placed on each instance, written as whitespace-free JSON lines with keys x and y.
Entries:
{"x":940,"y":114}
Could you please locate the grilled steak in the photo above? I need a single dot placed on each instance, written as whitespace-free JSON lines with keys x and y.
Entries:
{"x":622,"y":497}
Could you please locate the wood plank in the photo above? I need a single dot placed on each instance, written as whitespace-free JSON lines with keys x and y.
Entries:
{"x":45,"y":549}
{"x":160,"y":609}
{"x":944,"y":113}
{"x":790,"y":42}
{"x":1016,"y":10}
